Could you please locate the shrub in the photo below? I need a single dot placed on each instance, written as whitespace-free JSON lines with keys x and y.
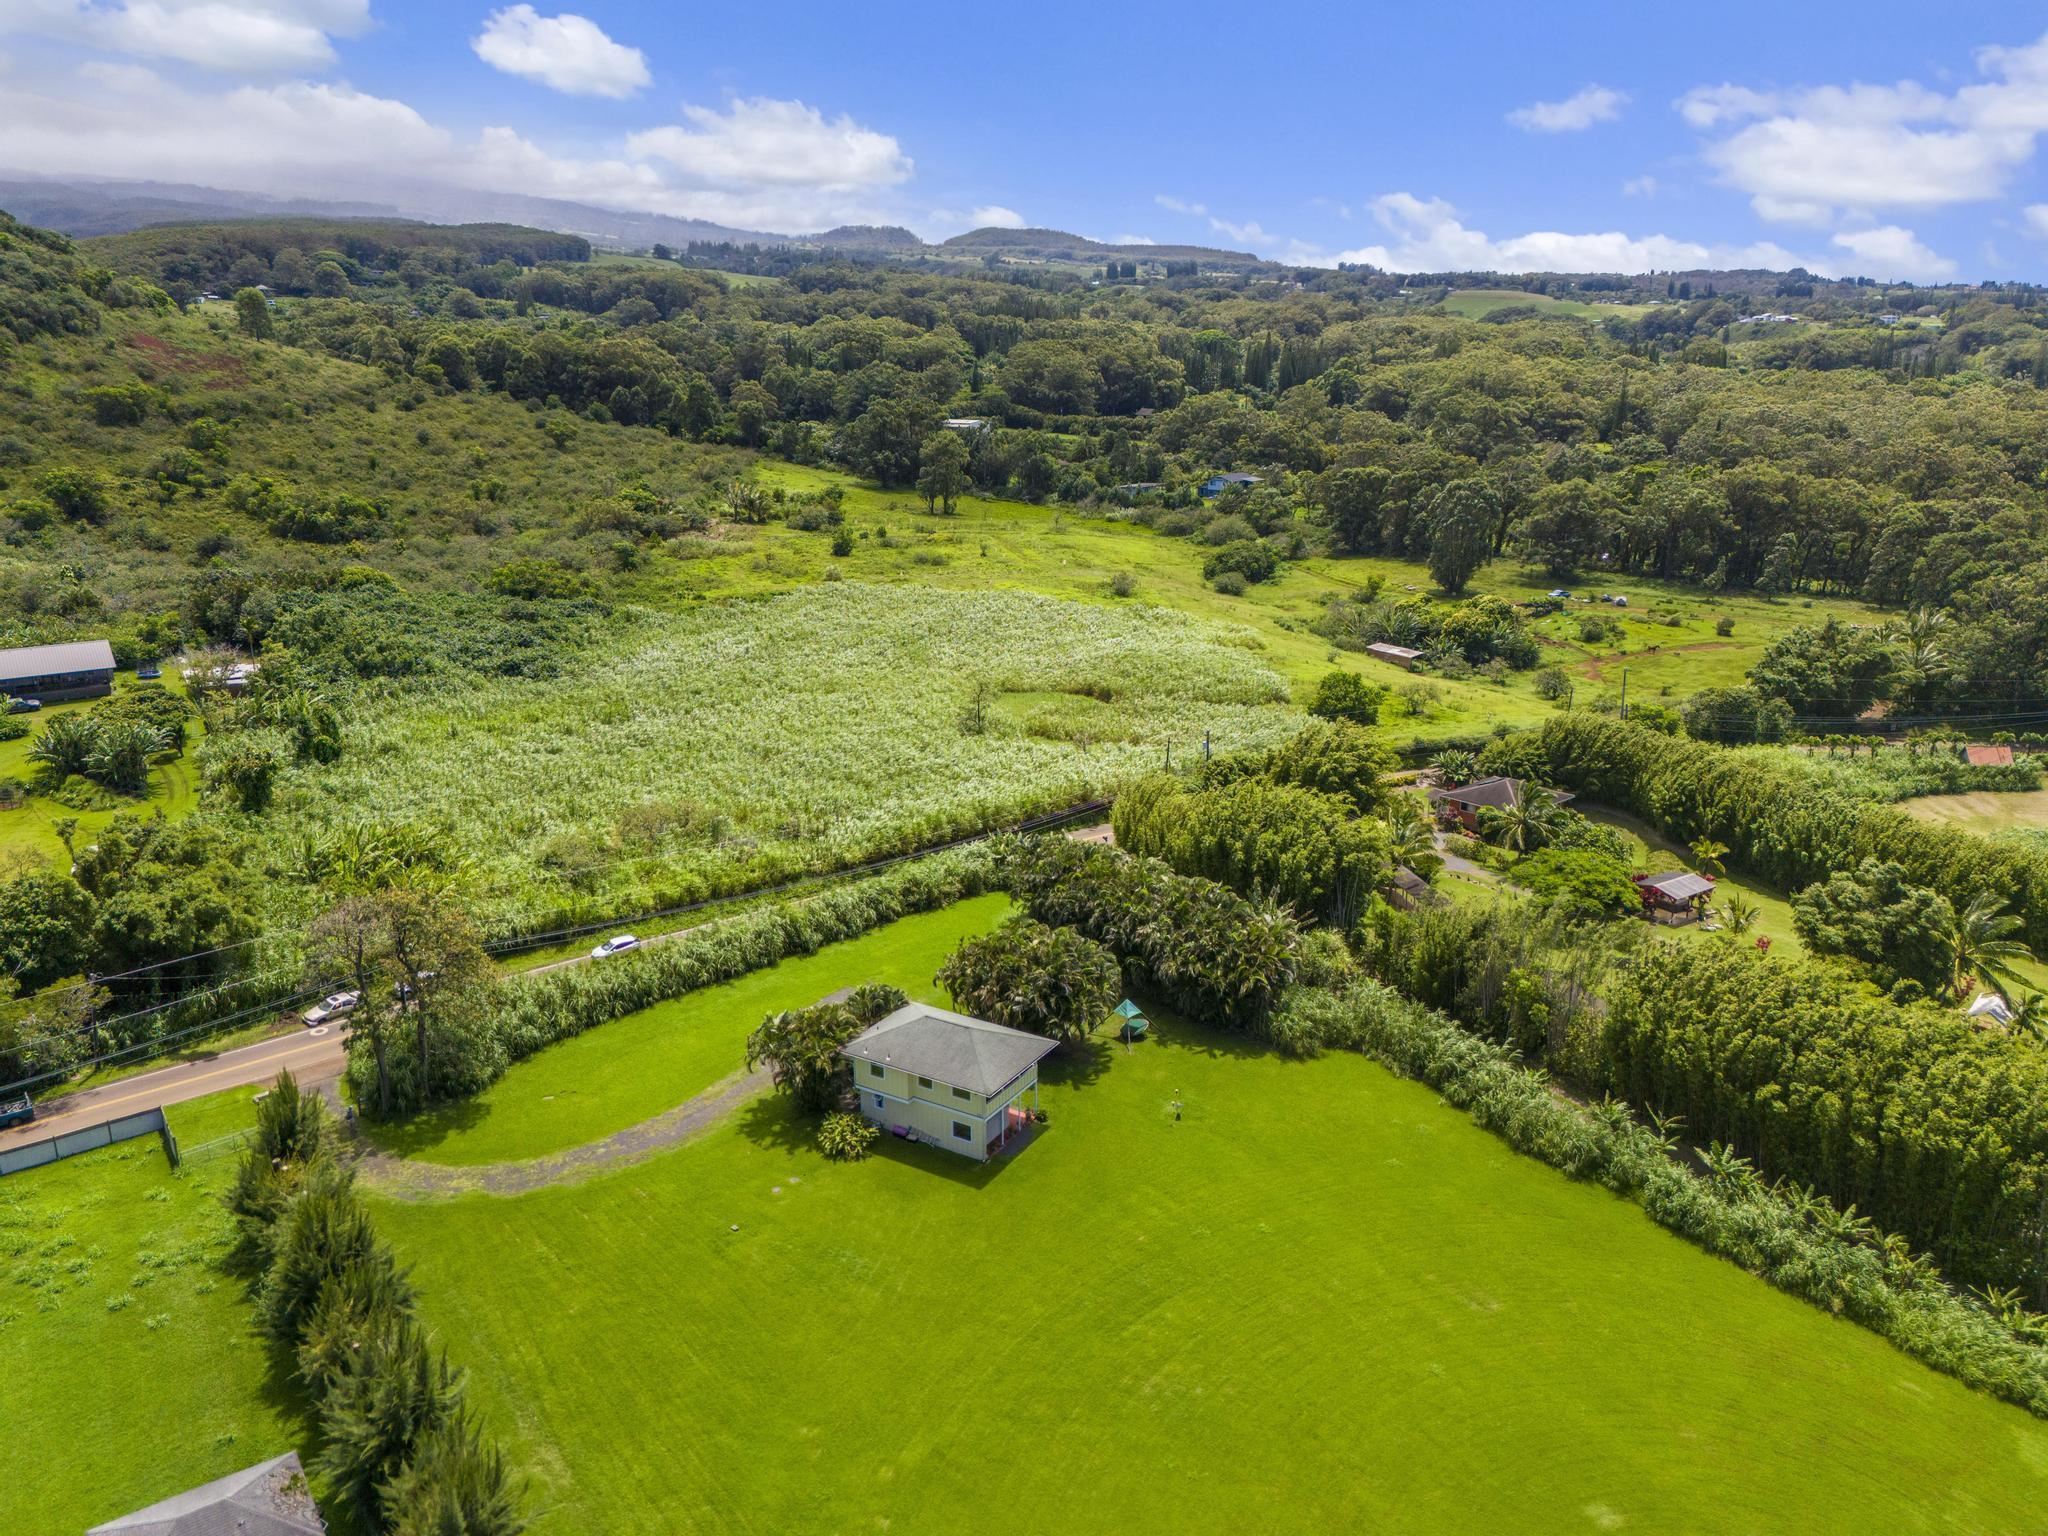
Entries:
{"x":1346,"y":696}
{"x":1231,"y":584}
{"x":1044,"y":981}
{"x":846,"y":1138}
{"x":1551,"y":683}
{"x":1724,"y":626}
{"x":1584,"y":883}
{"x":1248,"y":558}
{"x":534,"y":578}
{"x":1122,"y":584}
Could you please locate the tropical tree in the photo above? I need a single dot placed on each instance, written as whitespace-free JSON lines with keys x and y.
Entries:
{"x":943,"y":472}
{"x":1527,"y":821}
{"x":1978,"y":945}
{"x":1740,"y":913}
{"x":65,"y":747}
{"x":1708,"y":853}
{"x":1453,"y":766}
{"x":800,"y":1048}
{"x":1045,"y":981}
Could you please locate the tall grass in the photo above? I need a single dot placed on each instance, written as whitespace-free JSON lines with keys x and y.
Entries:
{"x":740,"y":743}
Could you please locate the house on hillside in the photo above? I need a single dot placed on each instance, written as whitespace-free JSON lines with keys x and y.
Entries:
{"x":967,"y":425}
{"x":1216,"y":485}
{"x":1680,"y":897}
{"x":1988,"y":755}
{"x":1396,"y":655}
{"x":944,"y":1078}
{"x":82,"y":669}
{"x":1460,"y":805}
{"x":268,"y":1499}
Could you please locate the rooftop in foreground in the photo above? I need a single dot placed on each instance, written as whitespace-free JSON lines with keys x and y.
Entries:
{"x":949,"y":1048}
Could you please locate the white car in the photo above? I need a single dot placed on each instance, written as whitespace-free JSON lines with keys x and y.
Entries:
{"x":615,"y":946}
{"x":331,"y":1007}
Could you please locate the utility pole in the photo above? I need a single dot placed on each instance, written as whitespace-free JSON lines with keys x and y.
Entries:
{"x":1205,"y":746}
{"x":1624,"y":693}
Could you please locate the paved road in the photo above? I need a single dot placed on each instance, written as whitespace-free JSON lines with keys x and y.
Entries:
{"x":314,"y":1059}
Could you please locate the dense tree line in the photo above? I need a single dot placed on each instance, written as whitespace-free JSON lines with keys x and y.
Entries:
{"x":1932,"y":1129}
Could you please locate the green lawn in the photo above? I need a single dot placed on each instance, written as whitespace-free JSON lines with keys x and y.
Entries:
{"x":1654,"y":853}
{"x":1985,"y":813}
{"x":634,"y":1068}
{"x":1321,"y":1301}
{"x":131,"y":1373}
{"x":28,"y":834}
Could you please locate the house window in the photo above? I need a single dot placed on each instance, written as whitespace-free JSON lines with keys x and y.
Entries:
{"x":924,"y":1082}
{"x":874,"y":1069}
{"x":880,"y":1102}
{"x":962,"y":1093}
{"x":963,"y":1131}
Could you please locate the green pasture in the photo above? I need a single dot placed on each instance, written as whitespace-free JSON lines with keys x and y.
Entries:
{"x":131,"y":1372}
{"x":633,"y":1068}
{"x":1314,"y":1299}
{"x":1985,"y":813}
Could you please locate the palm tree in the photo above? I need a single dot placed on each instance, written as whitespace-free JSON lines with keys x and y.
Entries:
{"x":1527,"y":819}
{"x":2030,"y":1016}
{"x":1739,"y":913}
{"x":1708,"y":854}
{"x":1454,"y":767}
{"x":1412,"y":835}
{"x":1978,"y":945}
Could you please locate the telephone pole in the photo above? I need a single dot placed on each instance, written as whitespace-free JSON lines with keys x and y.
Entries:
{"x":1624,"y":693}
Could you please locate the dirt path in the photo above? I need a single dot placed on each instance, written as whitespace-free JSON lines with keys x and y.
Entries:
{"x":407,"y":1179}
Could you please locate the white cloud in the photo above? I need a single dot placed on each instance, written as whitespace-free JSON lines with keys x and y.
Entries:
{"x":995,"y":216}
{"x":1577,"y":112}
{"x":1805,"y":156}
{"x":1888,"y":252}
{"x":1131,"y":240}
{"x":1640,"y":186}
{"x":1426,"y":235}
{"x":761,"y":141}
{"x":317,"y":139}
{"x":232,"y":36}
{"x":570,"y":53}
{"x":2036,"y":217}
{"x":1179,"y":205}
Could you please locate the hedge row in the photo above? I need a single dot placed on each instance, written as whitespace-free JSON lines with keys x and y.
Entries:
{"x":1779,"y":822}
{"x":539,"y":1011}
{"x":1797,"y":1242}
{"x":396,"y":1436}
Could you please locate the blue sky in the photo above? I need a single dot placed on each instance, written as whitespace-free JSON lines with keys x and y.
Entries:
{"x":1890,"y":140}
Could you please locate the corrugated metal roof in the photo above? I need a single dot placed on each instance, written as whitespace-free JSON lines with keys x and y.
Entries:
{"x":31,"y":661}
{"x":949,"y":1048}
{"x":1681,"y":886}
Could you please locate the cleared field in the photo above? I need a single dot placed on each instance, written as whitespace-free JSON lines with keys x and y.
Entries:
{"x":739,"y":743}
{"x":1314,"y":1300}
{"x":1478,"y":303}
{"x":1985,"y":813}
{"x":633,"y":1068}
{"x":131,"y":1371}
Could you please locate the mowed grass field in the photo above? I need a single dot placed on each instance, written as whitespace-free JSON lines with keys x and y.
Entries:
{"x":1478,"y":303}
{"x":129,"y":1366}
{"x":1985,"y":813}
{"x":633,"y":1068}
{"x":1314,"y":1300}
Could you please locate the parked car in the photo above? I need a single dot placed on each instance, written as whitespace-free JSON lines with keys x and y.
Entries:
{"x":23,"y":706}
{"x":148,"y":669}
{"x":1559,"y":593}
{"x":333,"y":1006}
{"x":17,"y":1111}
{"x":402,"y":990}
{"x":615,"y":946}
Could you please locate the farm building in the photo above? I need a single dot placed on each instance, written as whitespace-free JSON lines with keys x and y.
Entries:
{"x":1216,"y":485}
{"x":83,"y":669}
{"x":1986,"y":755}
{"x":1680,"y":897}
{"x":1397,"y":655}
{"x":268,"y":1499}
{"x":947,"y":1079}
{"x":967,"y":424}
{"x":1463,"y":803}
